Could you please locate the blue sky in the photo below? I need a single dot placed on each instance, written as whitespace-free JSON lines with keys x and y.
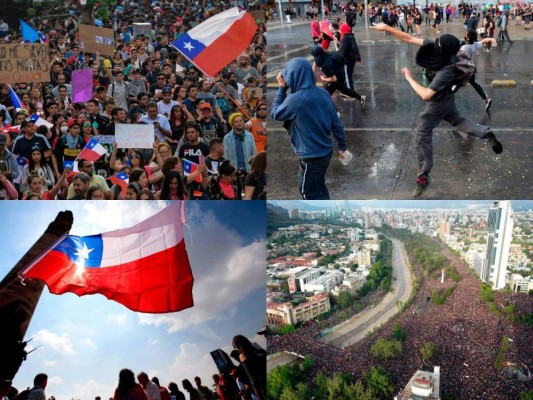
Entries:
{"x":87,"y":340}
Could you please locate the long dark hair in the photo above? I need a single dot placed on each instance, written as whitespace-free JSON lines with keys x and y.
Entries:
{"x":126,"y":382}
{"x":165,"y":188}
{"x":43,"y":162}
{"x":259,"y":165}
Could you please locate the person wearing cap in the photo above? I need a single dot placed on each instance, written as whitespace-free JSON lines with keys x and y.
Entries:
{"x":8,"y":162}
{"x":438,"y":58}
{"x":164,"y":106}
{"x":137,"y":85}
{"x":67,"y":147}
{"x":239,"y":144}
{"x":23,"y":144}
{"x":211,"y":126}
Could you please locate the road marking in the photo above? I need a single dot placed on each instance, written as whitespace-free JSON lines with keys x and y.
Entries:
{"x":503,"y":83}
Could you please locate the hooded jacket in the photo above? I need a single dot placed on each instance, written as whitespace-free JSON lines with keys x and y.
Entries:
{"x":309,"y":109}
{"x":11,"y":164}
{"x":349,"y":49}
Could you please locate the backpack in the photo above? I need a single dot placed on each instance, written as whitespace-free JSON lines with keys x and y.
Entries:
{"x":23,"y":395}
{"x":464,"y":69}
{"x":223,"y":104}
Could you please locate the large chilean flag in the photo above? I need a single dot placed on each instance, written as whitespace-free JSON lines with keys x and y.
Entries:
{"x":145,"y":267}
{"x":218,"y":40}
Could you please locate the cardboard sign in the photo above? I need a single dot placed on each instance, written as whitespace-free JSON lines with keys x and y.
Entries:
{"x":97,"y":40}
{"x":24,"y":63}
{"x":134,"y":136}
{"x":255,"y":93}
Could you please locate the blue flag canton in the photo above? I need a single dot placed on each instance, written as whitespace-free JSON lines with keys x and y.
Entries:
{"x":188,"y":46}
{"x":122,"y":176}
{"x":92,"y":143}
{"x":188,"y":167}
{"x":85,"y":250}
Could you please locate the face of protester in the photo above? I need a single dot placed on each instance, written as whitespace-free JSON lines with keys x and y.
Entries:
{"x":121,"y":115}
{"x":238,"y":123}
{"x":81,"y":118}
{"x":119,"y":77}
{"x":36,"y":92}
{"x":97,"y":195}
{"x":87,"y":128}
{"x":167,"y":97}
{"x":63,"y":93}
{"x":243,"y":61}
{"x":167,"y":70}
{"x":173,"y":185}
{"x":164,"y":152}
{"x":36,"y":185}
{"x":92,"y":108}
{"x":143,"y":181}
{"x":18,"y":120}
{"x":29,"y":129}
{"x":80,"y":188}
{"x":25,"y":98}
{"x":74,"y":130}
{"x":135,"y":159}
{"x":95,"y":72}
{"x":182,"y":94}
{"x":152,"y":112}
{"x":206,"y":86}
{"x":36,"y":156}
{"x":131,"y":194}
{"x":193,"y":92}
{"x":52,"y":110}
{"x":192,"y":135}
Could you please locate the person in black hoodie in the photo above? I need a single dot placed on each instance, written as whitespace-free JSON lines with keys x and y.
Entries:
{"x":334,"y":76}
{"x":350,"y":51}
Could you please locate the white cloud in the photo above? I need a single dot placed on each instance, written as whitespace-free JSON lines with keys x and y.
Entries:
{"x":190,"y":362}
{"x":54,"y":381}
{"x":89,"y":343}
{"x":49,"y":363}
{"x":57,"y":343}
{"x":89,"y":390}
{"x":153,"y":341}
{"x":117,"y":319}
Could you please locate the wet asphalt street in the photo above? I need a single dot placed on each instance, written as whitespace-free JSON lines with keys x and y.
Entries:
{"x":382,"y":137}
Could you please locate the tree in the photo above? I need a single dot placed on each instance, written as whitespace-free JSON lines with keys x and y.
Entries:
{"x":285,"y":329}
{"x":281,"y":377}
{"x":386,"y":348}
{"x":399,"y":333}
{"x":379,"y":381}
{"x":344,"y":299}
{"x":428,"y":350}
{"x":308,"y":363}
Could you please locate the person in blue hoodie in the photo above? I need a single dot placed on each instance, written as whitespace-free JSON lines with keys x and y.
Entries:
{"x":311,"y":117}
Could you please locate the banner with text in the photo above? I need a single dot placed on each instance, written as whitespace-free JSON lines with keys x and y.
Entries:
{"x":97,"y":40}
{"x":134,"y":136}
{"x":24,"y":62}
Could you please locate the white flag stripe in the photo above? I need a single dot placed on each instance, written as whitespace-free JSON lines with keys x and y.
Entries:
{"x":216,"y":26}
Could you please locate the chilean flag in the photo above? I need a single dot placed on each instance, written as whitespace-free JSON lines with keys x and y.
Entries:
{"x":145,"y":268}
{"x":218,"y":40}
{"x":15,"y":99}
{"x":120,"y":179}
{"x":189,"y":167}
{"x":92,"y":151}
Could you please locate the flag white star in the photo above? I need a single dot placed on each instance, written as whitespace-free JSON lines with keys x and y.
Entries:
{"x":83,"y":252}
{"x":188,"y":46}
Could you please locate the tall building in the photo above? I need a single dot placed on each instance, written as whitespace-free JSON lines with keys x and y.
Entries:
{"x":294,"y":213}
{"x":499,"y":235}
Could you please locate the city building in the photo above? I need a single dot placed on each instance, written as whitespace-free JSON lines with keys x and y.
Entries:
{"x":424,"y":385}
{"x":288,"y":314}
{"x":519,"y":284}
{"x":499,"y":235}
{"x":364,"y":257}
{"x":324,"y":283}
{"x":294,"y":213}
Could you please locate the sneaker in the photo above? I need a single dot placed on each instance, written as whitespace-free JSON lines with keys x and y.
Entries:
{"x":422,"y":183}
{"x":488,"y":103}
{"x":363,"y":102}
{"x":496,"y":145}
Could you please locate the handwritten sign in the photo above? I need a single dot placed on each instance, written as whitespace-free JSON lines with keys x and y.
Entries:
{"x":134,"y":136}
{"x":97,"y":40}
{"x":24,"y":63}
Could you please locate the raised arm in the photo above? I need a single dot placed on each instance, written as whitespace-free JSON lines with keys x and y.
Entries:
{"x":403,"y":36}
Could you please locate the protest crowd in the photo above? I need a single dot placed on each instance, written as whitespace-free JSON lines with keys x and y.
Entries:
{"x":467,"y":336}
{"x":244,"y":381}
{"x":140,"y":122}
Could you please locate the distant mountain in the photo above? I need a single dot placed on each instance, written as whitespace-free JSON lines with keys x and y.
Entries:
{"x":277,"y":217}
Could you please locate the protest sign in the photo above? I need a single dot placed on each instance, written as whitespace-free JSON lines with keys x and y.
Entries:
{"x":134,"y":136}
{"x":82,"y":85}
{"x":24,"y":63}
{"x":97,"y":40}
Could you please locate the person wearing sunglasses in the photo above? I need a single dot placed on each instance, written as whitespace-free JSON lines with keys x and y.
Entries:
{"x":258,"y":126}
